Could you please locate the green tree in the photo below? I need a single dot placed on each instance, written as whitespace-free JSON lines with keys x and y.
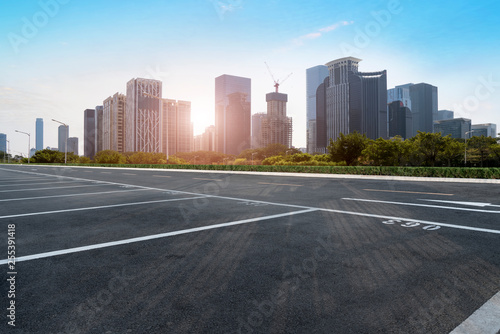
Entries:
{"x":348,"y":148}
{"x":452,"y":153}
{"x":386,"y":152}
{"x":109,"y":157}
{"x":481,"y":146}
{"x":429,"y":145}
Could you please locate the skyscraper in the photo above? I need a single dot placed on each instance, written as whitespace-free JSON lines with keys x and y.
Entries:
{"x":143,"y":116}
{"x":89,"y":133}
{"x":232,"y":113}
{"x":113,"y":122}
{"x":73,"y":145}
{"x":98,"y":128}
{"x":276,"y":127}
{"x":315,"y":76}
{"x":400,"y":93}
{"x":62,"y":138}
{"x":177,"y":135}
{"x":355,"y":101}
{"x":424,"y":107}
{"x":257,"y":120}
{"x":39,"y":134}
{"x":400,"y":120}
{"x":3,"y":143}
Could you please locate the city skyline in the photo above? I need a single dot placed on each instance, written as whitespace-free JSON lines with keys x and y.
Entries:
{"x":76,"y":54}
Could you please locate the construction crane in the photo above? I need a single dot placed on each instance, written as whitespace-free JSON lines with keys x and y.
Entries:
{"x":277,"y":83}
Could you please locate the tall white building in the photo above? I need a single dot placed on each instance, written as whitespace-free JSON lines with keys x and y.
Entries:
{"x":315,"y":76}
{"x":113,"y":123}
{"x":143,"y":117}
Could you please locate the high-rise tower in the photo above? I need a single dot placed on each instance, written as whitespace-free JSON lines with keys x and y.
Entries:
{"x":143,"y":124}
{"x":39,"y":134}
{"x":89,"y":134}
{"x":232,"y":113}
{"x":315,"y":76}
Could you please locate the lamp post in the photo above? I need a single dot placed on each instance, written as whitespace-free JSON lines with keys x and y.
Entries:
{"x":29,"y":143}
{"x":65,"y":145}
{"x":465,"y":154}
{"x":8,"y":150}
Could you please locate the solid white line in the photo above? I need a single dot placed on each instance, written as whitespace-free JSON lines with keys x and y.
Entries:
{"x":35,"y":184}
{"x":23,"y":179}
{"x":86,"y":185}
{"x":70,"y":195}
{"x":128,"y":174}
{"x":97,"y":207}
{"x":421,"y":205}
{"x":151,"y":237}
{"x":486,"y":319}
{"x":479,"y":204}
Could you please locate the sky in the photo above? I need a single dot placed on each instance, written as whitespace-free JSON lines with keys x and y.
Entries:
{"x":60,"y":57}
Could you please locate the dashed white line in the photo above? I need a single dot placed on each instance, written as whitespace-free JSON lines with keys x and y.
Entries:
{"x":203,"y":179}
{"x":155,"y":236}
{"x":162,"y":176}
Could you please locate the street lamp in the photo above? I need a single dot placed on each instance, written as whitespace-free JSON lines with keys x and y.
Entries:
{"x":66,"y":145}
{"x":29,"y":143}
{"x":465,"y":154}
{"x":8,"y":150}
{"x":253,"y":155}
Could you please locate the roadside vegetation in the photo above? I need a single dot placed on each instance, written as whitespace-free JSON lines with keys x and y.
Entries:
{"x":427,"y":154}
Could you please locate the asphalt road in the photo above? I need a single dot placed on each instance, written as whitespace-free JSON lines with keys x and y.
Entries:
{"x":159,"y":251}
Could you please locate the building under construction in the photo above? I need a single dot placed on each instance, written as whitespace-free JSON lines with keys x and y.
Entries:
{"x":276,"y":127}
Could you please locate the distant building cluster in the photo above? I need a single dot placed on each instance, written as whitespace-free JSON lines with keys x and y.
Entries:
{"x":140,"y":121}
{"x":340,"y":99}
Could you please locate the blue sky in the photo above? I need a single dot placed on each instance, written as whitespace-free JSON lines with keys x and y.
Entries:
{"x":81,"y":52}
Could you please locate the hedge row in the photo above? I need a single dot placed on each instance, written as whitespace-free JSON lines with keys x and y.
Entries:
{"x":451,"y":172}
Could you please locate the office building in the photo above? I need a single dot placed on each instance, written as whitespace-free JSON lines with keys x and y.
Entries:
{"x":3,"y":142}
{"x":177,"y":135}
{"x":400,"y":93}
{"x":257,"y":129}
{"x":62,"y":138}
{"x":444,"y":114}
{"x":319,"y":130}
{"x":487,"y":130}
{"x":143,"y":116}
{"x":73,"y":145}
{"x":424,"y":107}
{"x":89,"y":133}
{"x":276,"y":127}
{"x":315,"y":76}
{"x":400,"y":120}
{"x":232,"y":114}
{"x":98,"y":128}
{"x":113,"y":123}
{"x":355,"y":101}
{"x":39,"y":134}
{"x":456,"y":127}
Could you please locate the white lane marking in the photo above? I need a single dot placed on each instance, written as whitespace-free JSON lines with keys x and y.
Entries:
{"x":205,"y":179}
{"x":462,"y":227}
{"x":162,"y":176}
{"x":282,"y":184}
{"x":105,"y":172}
{"x":70,"y":195}
{"x":36,"y":189}
{"x":35,"y":184}
{"x":407,"y":192}
{"x":421,"y":205}
{"x":155,"y":236}
{"x":128,"y":174}
{"x":486,"y":319}
{"x":24,"y":179}
{"x":97,"y":207}
{"x":478,"y":204}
